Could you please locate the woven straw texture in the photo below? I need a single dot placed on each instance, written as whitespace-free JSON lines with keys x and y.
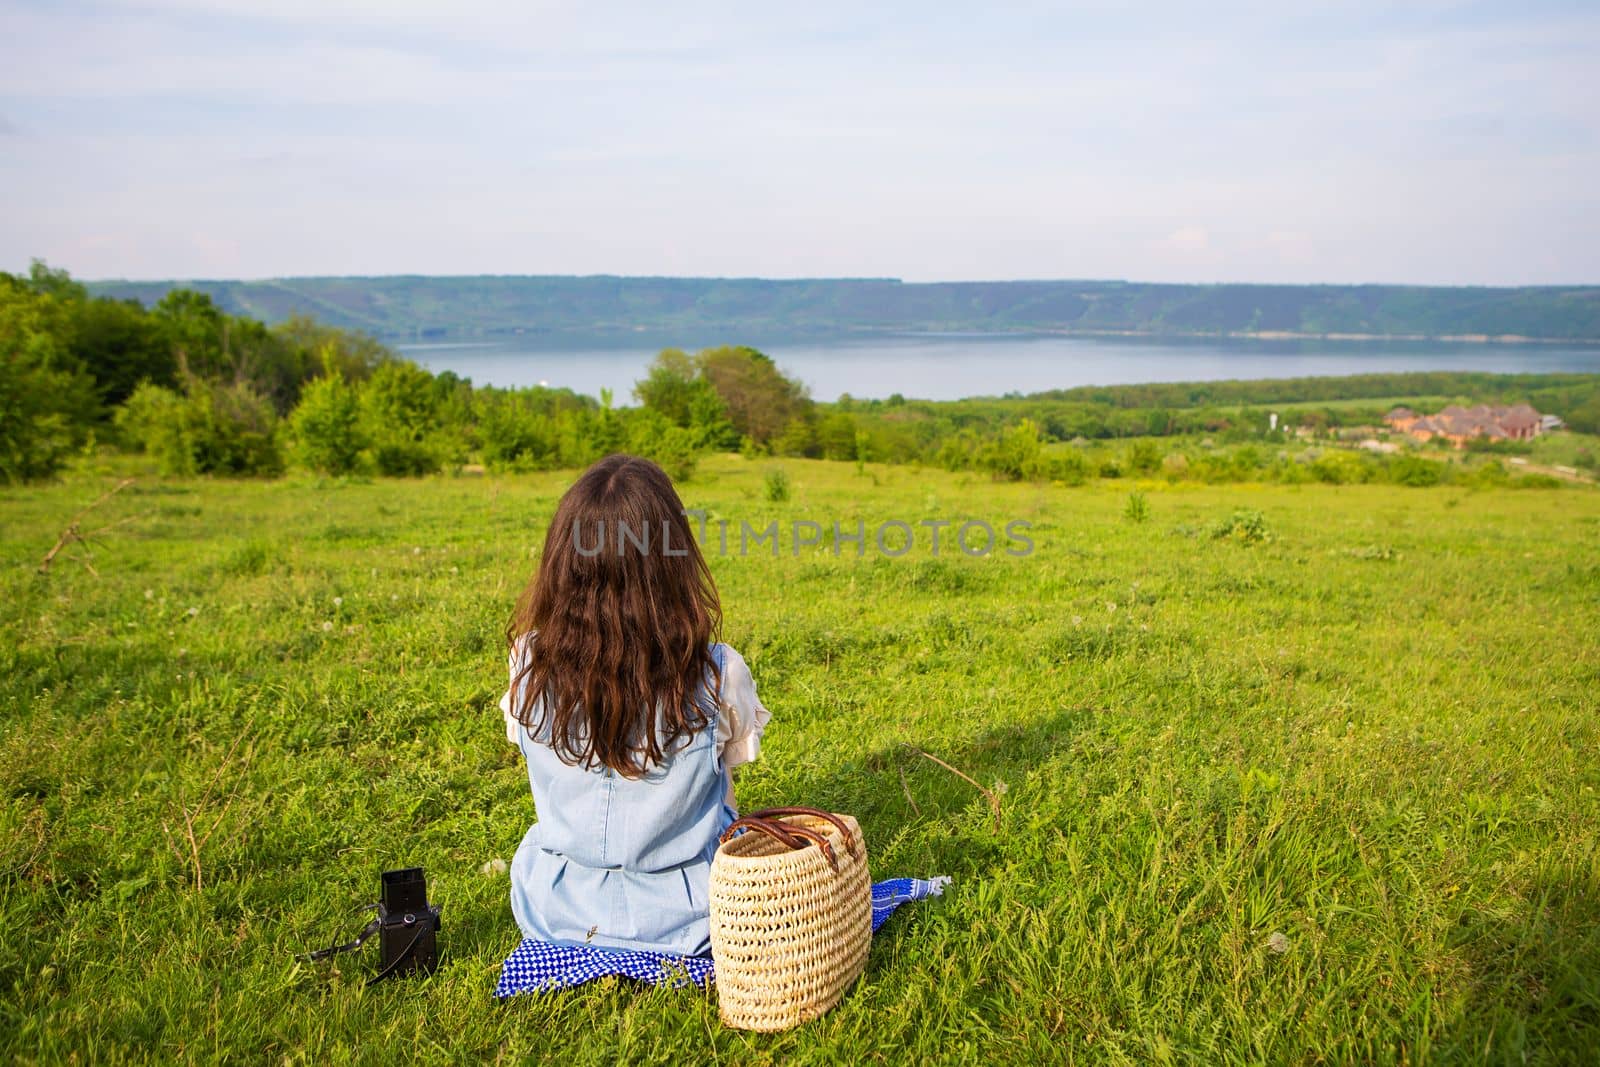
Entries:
{"x":788,"y":933}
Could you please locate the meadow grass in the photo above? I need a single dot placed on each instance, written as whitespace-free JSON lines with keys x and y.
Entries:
{"x":1328,"y":796}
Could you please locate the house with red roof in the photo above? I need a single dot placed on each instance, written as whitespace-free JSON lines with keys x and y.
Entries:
{"x":1458,"y":425}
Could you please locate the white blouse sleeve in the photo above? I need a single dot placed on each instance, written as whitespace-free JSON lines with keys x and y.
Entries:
{"x":740,"y":716}
{"x":511,"y":723}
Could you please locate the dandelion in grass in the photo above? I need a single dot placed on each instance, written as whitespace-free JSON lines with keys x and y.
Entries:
{"x":1278,"y":943}
{"x":326,"y":626}
{"x":192,"y":612}
{"x":149,"y":594}
{"x":338,"y":601}
{"x":494,"y":867}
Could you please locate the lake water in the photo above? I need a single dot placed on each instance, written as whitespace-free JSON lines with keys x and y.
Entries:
{"x":951,"y":366}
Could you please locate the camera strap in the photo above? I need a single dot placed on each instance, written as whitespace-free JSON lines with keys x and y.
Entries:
{"x":366,"y":932}
{"x":427,"y":923}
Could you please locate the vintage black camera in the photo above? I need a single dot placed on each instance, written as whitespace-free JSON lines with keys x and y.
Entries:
{"x":407,"y":927}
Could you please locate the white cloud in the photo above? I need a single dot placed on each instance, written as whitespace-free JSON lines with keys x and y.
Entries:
{"x":1188,"y":239}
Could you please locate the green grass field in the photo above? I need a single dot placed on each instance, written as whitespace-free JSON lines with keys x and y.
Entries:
{"x":1324,"y":797}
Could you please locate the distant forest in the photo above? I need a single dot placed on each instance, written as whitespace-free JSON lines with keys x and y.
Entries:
{"x":401,"y":308}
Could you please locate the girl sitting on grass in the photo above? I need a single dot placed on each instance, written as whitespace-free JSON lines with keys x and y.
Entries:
{"x":630,"y":715}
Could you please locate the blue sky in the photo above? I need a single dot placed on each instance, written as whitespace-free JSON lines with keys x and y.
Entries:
{"x":1438,"y":143}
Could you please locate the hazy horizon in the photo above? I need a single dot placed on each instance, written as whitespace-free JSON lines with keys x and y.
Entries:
{"x":106,"y":280}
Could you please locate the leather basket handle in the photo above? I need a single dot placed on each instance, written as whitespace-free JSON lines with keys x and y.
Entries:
{"x":788,"y":834}
{"x":844,"y":832}
{"x":776,"y":830}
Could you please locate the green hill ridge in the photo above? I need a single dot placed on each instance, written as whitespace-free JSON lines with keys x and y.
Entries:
{"x":412,"y":307}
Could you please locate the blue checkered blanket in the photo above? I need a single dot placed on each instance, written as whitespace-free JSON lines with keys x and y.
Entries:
{"x":539,"y":965}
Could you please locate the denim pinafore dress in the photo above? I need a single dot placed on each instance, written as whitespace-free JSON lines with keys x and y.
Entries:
{"x":623,"y":863}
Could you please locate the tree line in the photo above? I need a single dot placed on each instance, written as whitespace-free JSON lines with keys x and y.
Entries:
{"x":203,"y":391}
{"x":206,"y":392}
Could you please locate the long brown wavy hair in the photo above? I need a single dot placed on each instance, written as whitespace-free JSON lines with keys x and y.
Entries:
{"x":618,"y":620}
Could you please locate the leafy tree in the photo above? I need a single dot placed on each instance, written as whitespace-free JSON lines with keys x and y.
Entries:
{"x":325,"y":349}
{"x":400,"y":418}
{"x":759,"y":399}
{"x":670,"y":386}
{"x":799,"y":438}
{"x":326,"y":426}
{"x":39,"y":398}
{"x":46,"y":399}
{"x":836,"y":436}
{"x":254,"y":355}
{"x":535,"y":429}
{"x":121,"y":345}
{"x":1585,"y":417}
{"x":676,"y":387}
{"x":193,"y":327}
{"x":57,"y":283}
{"x":709,"y":422}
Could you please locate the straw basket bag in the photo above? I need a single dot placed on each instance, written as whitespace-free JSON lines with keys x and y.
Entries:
{"x":790,"y":923}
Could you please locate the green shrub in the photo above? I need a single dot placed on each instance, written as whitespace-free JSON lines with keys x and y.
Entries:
{"x":326,"y":426}
{"x":519,"y":429}
{"x":401,"y":458}
{"x":1137,"y":509}
{"x":1018,"y":453}
{"x":1070,"y":467}
{"x":1144,"y":457}
{"x":150,"y":421}
{"x":210,"y":428}
{"x":1490,"y":475}
{"x":777,"y":485}
{"x":1415,"y":471}
{"x":401,"y":420}
{"x":1246,"y":526}
{"x":1340,"y":468}
{"x":654,"y":437}
{"x":799,"y":438}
